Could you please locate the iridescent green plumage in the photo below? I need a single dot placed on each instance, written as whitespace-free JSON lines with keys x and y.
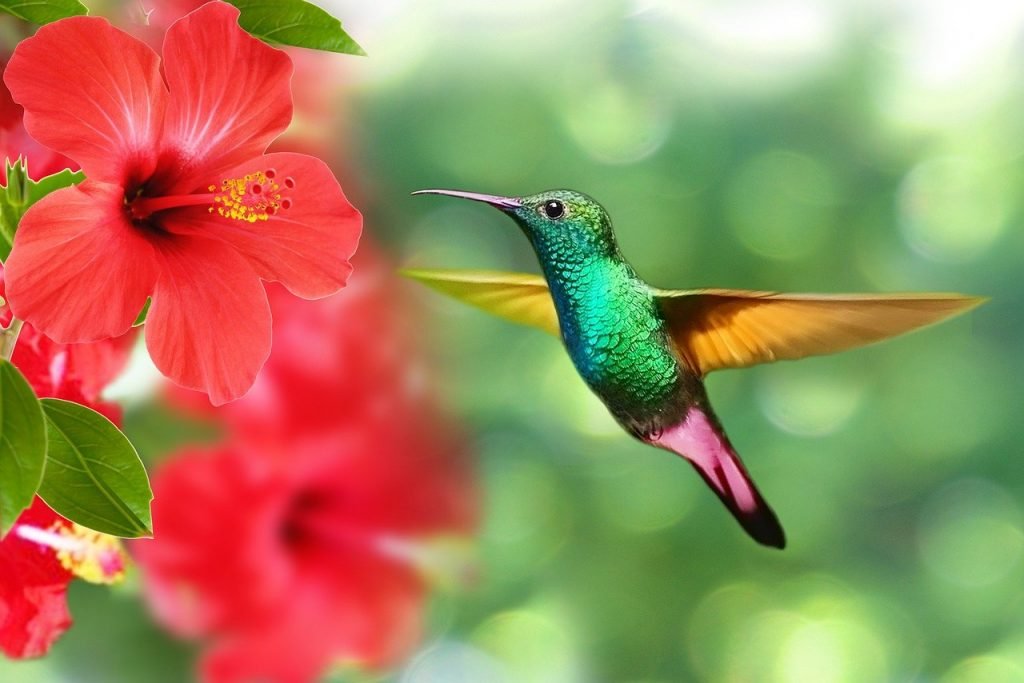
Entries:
{"x":644,"y":351}
{"x":609,"y":320}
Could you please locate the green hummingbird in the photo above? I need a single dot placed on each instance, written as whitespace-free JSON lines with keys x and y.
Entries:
{"x":645,"y":351}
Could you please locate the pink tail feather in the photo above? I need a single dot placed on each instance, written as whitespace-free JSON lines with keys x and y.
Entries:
{"x":704,"y":445}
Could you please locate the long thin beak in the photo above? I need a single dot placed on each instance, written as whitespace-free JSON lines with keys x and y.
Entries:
{"x":495,"y":201}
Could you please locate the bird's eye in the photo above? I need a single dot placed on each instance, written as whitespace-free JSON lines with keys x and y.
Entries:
{"x":553,"y":209}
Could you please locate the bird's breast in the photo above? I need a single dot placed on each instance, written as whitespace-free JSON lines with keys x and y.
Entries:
{"x":617,"y":340}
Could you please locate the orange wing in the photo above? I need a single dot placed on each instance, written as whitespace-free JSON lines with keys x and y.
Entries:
{"x":723,"y":328}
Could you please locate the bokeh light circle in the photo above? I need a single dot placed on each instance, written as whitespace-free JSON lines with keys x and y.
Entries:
{"x":454,"y":662}
{"x":953,"y":209}
{"x":615,"y":126}
{"x":780,"y":204}
{"x":805,"y":400}
{"x":970,"y":533}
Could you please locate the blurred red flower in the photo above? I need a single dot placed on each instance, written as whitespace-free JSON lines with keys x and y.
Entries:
{"x":180,"y":202}
{"x":342,"y":360}
{"x":310,"y":537}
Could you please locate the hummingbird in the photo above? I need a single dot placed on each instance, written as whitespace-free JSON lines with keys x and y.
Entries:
{"x":645,"y":351}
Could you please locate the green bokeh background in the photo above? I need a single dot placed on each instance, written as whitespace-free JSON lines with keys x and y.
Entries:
{"x":794,"y":146}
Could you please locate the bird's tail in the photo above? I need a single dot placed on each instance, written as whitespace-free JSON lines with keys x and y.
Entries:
{"x":700,"y":440}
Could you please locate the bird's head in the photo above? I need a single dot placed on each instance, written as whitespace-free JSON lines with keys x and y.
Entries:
{"x":562,"y":220}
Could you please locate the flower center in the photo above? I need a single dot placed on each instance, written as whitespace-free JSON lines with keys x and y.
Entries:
{"x":316,"y":520}
{"x":88,"y":554}
{"x":253,"y":197}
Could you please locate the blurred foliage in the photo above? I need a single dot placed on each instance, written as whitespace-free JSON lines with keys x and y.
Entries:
{"x":795,"y":146}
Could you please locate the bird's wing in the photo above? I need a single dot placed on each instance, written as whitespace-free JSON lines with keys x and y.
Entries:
{"x":725,"y":328}
{"x":518,"y":297}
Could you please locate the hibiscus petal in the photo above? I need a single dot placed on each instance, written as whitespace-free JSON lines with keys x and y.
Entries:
{"x":358,"y":611}
{"x":216,"y":564}
{"x":94,"y":93}
{"x":230,"y":96}
{"x":79,"y":270}
{"x":36,"y":616}
{"x":306,"y":246}
{"x":209,"y":325}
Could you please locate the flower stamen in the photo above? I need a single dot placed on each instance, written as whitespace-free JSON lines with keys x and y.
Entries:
{"x":88,"y":554}
{"x":252,"y":197}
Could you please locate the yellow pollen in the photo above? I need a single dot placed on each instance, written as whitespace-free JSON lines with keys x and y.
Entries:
{"x":252,"y":197}
{"x":92,"y":556}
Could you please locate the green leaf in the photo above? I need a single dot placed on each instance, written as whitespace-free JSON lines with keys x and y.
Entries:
{"x":42,"y":11}
{"x":295,"y":22}
{"x":57,"y":181}
{"x":22,"y":192}
{"x":93,"y":474}
{"x":22,"y":445}
{"x":140,"y":319}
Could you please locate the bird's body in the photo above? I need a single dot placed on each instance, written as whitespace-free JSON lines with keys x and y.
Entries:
{"x":616,"y":338}
{"x":644,"y":351}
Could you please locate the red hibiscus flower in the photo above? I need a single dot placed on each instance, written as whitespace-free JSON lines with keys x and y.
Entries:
{"x":39,"y":557}
{"x":288,"y":564}
{"x":180,"y":202}
{"x":311,"y":537}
